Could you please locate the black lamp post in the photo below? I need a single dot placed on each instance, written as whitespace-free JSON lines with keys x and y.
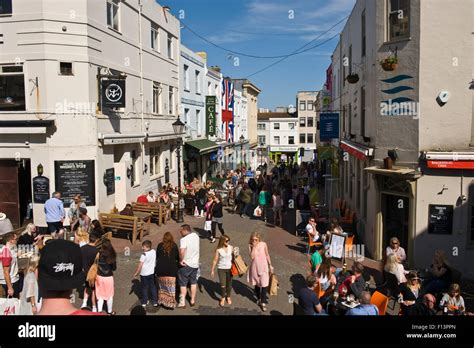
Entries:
{"x":178,"y":128}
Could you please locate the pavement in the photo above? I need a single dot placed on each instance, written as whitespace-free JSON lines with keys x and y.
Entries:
{"x":286,"y":251}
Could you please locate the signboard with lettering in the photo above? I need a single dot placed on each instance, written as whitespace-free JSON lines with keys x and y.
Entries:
{"x":109,"y":181}
{"x":210,"y":115}
{"x":440,"y":219}
{"x":113,"y":93}
{"x":40,"y":189}
{"x":75,"y":177}
{"x":329,"y":126}
{"x":5,"y":7}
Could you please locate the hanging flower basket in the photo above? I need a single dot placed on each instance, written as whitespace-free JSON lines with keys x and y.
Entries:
{"x":389,"y":64}
{"x":352,"y":78}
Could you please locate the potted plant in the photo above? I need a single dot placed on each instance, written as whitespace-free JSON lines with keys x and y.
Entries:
{"x":390,"y":63}
{"x":352,"y":78}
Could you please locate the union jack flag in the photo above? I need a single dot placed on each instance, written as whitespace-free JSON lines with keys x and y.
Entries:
{"x":227,"y":103}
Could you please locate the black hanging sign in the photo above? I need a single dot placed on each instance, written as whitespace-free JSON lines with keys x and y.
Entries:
{"x":40,"y":189}
{"x":113,"y":93}
{"x":109,"y":181}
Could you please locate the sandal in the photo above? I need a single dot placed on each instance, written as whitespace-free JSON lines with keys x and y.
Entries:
{"x":222,"y":302}
{"x":229,"y":301}
{"x":112,"y":313}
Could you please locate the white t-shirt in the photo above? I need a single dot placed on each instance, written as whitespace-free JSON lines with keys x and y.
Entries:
{"x":30,"y":289}
{"x":190,"y":242}
{"x":310,"y":229}
{"x":149,"y":259}
{"x":225,"y":258}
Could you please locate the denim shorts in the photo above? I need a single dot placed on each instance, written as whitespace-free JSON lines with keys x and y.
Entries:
{"x":187,"y":275}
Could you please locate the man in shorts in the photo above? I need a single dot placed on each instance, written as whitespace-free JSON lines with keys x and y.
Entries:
{"x":54,"y":210}
{"x":189,"y":262}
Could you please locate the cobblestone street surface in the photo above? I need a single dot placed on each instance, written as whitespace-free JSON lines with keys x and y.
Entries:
{"x":286,"y":251}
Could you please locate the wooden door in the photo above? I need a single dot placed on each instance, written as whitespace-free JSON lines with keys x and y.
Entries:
{"x":9,"y":193}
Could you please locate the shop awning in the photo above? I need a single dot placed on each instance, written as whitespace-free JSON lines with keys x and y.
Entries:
{"x":357,"y":150}
{"x":450,"y":160}
{"x":395,"y":171}
{"x":204,"y":146}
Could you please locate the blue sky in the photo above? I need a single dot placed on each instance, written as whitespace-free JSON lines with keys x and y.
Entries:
{"x":232,"y":24}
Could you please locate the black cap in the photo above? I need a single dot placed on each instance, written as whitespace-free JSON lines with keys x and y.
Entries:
{"x":60,"y":266}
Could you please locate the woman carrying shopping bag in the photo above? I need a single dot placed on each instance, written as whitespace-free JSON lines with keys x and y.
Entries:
{"x":223,"y":261}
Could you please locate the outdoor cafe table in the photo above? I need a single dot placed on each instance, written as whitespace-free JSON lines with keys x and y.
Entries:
{"x":145,"y":216}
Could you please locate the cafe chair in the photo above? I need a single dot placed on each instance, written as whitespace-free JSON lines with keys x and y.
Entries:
{"x":381,"y":301}
{"x":312,"y":244}
{"x":318,"y":290}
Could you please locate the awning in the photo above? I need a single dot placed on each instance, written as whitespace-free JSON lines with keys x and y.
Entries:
{"x":204,"y":146}
{"x":450,"y":160}
{"x":359,"y":151}
{"x":395,"y":171}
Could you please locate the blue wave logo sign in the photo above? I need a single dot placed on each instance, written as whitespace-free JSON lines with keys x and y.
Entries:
{"x":402,"y":105}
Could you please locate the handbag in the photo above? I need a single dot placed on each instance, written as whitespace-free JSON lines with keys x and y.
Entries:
{"x":92,"y":273}
{"x":273,"y":284}
{"x":257,"y":212}
{"x":240,"y":265}
{"x":9,"y":306}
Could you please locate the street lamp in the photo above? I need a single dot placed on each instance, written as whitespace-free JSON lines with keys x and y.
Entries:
{"x":178,"y":128}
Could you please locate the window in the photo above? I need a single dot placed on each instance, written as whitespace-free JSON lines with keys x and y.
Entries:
{"x":135,"y":170}
{"x":172,"y":157}
{"x":362,"y":111}
{"x":198,"y":121}
{"x":156,"y":98}
{"x":291,"y":140}
{"x":302,"y":106}
{"x":209,"y":91}
{"x":363,"y":34}
{"x":365,"y":189}
{"x":262,"y":140}
{"x":170,"y":46}
{"x":291,"y":126}
{"x":155,"y":42}
{"x":349,"y":118}
{"x":261,"y":126}
{"x":186,"y":119}
{"x":302,"y":122}
{"x":350,"y":60}
{"x":310,"y":138}
{"x":310,"y":106}
{"x":171,"y":101}
{"x":65,"y":68}
{"x":302,"y":138}
{"x":5,"y":7}
{"x":155,"y":161}
{"x":186,"y":77}
{"x":12,"y":88}
{"x":398,"y":19}
{"x":113,"y":9}
{"x":310,"y":122}
{"x":276,"y":140}
{"x":198,"y":82}
{"x":276,"y":126}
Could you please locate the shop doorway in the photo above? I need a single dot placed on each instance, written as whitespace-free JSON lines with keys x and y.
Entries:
{"x":15,"y":190}
{"x":396,"y":214}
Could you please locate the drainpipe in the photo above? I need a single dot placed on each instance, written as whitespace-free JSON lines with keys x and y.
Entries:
{"x":140,"y":43}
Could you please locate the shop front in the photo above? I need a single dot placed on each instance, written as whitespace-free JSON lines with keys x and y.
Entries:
{"x":200,"y":157}
{"x":281,"y":154}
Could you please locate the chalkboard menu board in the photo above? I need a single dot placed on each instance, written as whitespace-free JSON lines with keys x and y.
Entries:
{"x":40,"y":189}
{"x":109,"y":181}
{"x":440,"y":220}
{"x":75,"y":177}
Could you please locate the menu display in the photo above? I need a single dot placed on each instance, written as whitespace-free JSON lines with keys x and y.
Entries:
{"x":440,"y":219}
{"x":75,"y":177}
{"x":109,"y":181}
{"x":40,"y":189}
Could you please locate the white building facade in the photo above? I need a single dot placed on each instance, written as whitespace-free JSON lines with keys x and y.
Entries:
{"x":56,"y":134}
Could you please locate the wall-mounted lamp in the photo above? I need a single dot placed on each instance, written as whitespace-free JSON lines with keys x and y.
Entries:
{"x":129,"y":172}
{"x":145,"y":168}
{"x":442,"y":190}
{"x":39,"y":169}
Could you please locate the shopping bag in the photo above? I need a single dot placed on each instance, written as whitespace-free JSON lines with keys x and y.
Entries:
{"x":257,"y":212}
{"x":9,"y":306}
{"x":196,"y":212}
{"x":240,"y":264}
{"x":233,"y":270}
{"x":273,"y":284}
{"x":207,"y":225}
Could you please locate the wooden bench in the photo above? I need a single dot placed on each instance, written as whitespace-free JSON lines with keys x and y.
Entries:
{"x":152,"y":208}
{"x":117,"y":222}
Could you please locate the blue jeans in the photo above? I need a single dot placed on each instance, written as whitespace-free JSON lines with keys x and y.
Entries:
{"x":148,"y":284}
